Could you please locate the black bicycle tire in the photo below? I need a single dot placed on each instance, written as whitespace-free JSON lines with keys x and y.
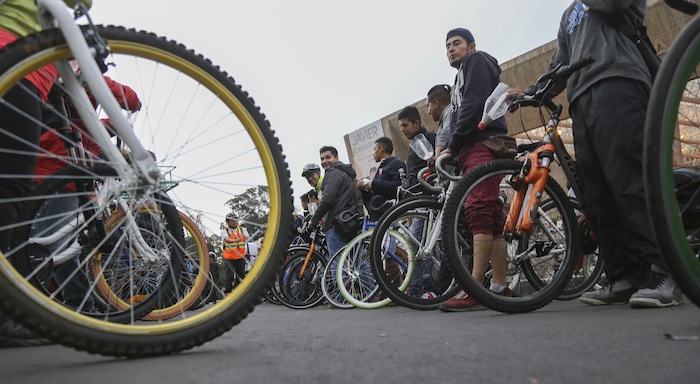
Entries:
{"x":662,"y":116}
{"x":205,"y":296}
{"x":376,"y":261}
{"x":156,"y":340}
{"x":296,"y":261}
{"x":569,"y":292}
{"x":477,"y":290}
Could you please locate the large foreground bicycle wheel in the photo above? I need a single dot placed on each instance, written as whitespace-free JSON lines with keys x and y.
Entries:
{"x":548,"y":254}
{"x":212,"y":144}
{"x":671,"y":138}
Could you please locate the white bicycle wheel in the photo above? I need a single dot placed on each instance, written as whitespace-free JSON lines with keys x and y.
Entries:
{"x":329,"y":285}
{"x":354,"y":274}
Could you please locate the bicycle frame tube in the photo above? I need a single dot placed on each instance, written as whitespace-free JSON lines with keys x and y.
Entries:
{"x":308,"y":257}
{"x":53,"y":13}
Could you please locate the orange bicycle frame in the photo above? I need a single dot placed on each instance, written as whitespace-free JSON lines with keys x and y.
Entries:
{"x":308,"y":257}
{"x":522,"y":212}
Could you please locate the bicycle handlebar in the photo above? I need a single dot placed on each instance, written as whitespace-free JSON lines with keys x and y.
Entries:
{"x":536,"y":97}
{"x":426,"y":185}
{"x":441,"y":170}
{"x":563,"y":72}
{"x":685,"y":6}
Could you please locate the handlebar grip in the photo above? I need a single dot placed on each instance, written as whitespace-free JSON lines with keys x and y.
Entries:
{"x":567,"y":70}
{"x":685,"y":6}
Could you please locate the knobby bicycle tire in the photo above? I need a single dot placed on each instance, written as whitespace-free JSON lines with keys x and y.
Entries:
{"x":525,"y":299}
{"x":670,"y":110}
{"x":305,"y":291}
{"x":208,"y":294}
{"x":186,"y":134}
{"x":590,"y":264}
{"x":185,"y":293}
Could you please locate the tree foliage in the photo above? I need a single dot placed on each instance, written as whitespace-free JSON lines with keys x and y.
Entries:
{"x":252,"y":206}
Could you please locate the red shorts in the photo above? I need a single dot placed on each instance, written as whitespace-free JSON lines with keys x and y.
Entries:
{"x":484,"y":211}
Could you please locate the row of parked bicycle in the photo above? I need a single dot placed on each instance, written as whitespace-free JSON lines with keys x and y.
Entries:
{"x":403,"y":257}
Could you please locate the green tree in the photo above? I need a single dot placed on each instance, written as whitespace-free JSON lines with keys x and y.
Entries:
{"x":252,"y":206}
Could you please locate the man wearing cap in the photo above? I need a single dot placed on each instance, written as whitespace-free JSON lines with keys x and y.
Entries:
{"x":312,"y":174}
{"x":234,"y":237}
{"x":478,"y":74}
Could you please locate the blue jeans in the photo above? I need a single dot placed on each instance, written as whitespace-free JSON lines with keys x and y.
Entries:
{"x":422,"y":269}
{"x":334,"y":241}
{"x":68,"y":273}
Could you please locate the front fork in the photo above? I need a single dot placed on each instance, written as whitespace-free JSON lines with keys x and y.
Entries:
{"x":529,"y":187}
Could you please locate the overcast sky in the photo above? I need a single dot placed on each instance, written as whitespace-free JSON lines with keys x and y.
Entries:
{"x":321,"y":69}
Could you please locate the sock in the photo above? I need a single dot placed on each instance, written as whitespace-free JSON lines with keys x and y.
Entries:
{"x":495,"y":288}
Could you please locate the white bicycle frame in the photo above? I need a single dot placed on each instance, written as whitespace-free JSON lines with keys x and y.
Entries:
{"x":146,"y":176}
{"x":53,"y":13}
{"x":108,"y":192}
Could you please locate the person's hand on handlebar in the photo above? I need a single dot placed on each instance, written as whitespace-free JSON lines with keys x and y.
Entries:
{"x":438,"y":153}
{"x":513,"y":94}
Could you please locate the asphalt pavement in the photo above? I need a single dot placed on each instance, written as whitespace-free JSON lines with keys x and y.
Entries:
{"x":565,"y":342}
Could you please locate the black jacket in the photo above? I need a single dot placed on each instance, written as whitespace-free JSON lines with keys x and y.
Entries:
{"x":339,"y":192}
{"x":478,"y":76}
{"x":386,"y":180}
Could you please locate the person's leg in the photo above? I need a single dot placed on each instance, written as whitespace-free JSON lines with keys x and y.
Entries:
{"x":479,"y":214}
{"x":618,"y":137}
{"x":230,"y":272}
{"x":69,"y":276}
{"x":239,"y":266}
{"x":334,"y":241}
{"x":421,"y":266}
{"x":609,"y":156}
{"x":19,"y":140}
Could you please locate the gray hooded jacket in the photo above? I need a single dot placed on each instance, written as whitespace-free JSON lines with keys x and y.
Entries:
{"x":586,"y":29}
{"x":339,"y":193}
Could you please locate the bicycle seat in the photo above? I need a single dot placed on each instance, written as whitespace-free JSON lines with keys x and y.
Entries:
{"x":685,"y":176}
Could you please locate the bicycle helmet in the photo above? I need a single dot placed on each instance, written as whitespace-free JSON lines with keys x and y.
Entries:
{"x":232,"y":216}
{"x":310,"y":168}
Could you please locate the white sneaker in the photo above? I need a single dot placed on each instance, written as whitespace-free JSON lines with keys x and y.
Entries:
{"x":658,"y":291}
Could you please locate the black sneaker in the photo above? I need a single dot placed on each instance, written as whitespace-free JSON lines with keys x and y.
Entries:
{"x":612,"y":292}
{"x":658,"y":291}
{"x":14,"y":334}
